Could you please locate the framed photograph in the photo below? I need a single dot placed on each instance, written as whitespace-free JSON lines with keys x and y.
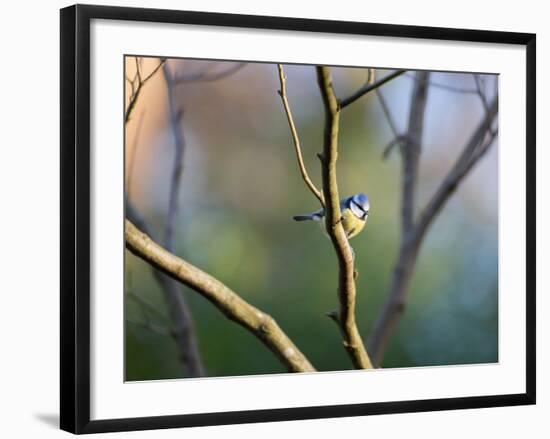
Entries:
{"x":268,"y":218}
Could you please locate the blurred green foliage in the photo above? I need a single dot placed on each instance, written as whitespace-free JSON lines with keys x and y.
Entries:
{"x":238,"y":196}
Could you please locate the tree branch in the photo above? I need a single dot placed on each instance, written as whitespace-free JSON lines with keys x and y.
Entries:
{"x":183,"y":328}
{"x":343,"y":103}
{"x":179,"y":144}
{"x":411,"y":151}
{"x":394,"y":306}
{"x":296,"y":138}
{"x":478,"y":144}
{"x":408,"y":248}
{"x":346,"y":279}
{"x":263,"y":326}
{"x":136,"y":89}
{"x":132,"y":158}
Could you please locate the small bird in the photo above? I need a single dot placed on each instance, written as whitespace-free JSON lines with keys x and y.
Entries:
{"x":355,"y":211}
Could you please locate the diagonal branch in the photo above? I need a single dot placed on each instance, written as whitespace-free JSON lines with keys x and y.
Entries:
{"x":183,"y":329}
{"x":263,"y":326}
{"x":346,"y":278}
{"x":394,"y":306}
{"x":343,"y":103}
{"x":398,"y":139}
{"x":296,"y":138}
{"x":478,"y":144}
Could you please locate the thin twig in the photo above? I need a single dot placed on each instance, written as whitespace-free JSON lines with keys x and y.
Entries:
{"x":159,"y":330}
{"x":145,"y":305}
{"x":346,"y":277}
{"x":371,"y":76}
{"x":136,"y":90}
{"x":398,"y":139}
{"x":263,"y":326}
{"x":368,"y":88}
{"x":296,"y":138}
{"x":482,"y":95}
{"x":387,"y":113}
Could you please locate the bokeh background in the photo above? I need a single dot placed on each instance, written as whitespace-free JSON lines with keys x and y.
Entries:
{"x":241,"y":186}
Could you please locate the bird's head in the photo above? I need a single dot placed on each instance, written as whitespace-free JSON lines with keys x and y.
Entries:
{"x":360,"y":205}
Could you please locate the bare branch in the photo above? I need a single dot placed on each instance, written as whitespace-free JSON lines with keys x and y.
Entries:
{"x":478,"y":144}
{"x":136,"y":90}
{"x":296,"y":138}
{"x":398,"y":139}
{"x":155,"y":70}
{"x":387,"y":113}
{"x":183,"y":328}
{"x":150,"y":326}
{"x":482,"y":96}
{"x":411,"y":150}
{"x":371,"y":76}
{"x":394,"y":305}
{"x":368,"y":88}
{"x":263,"y":326}
{"x":346,"y":278}
{"x":145,"y":306}
{"x":179,"y":146}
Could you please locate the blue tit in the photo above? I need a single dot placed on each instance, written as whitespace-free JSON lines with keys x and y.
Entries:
{"x":355,"y":211}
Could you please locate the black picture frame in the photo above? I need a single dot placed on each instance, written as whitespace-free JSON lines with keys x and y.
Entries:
{"x":75,"y":217}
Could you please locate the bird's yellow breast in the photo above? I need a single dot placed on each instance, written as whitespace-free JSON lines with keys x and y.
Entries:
{"x":352,"y":225}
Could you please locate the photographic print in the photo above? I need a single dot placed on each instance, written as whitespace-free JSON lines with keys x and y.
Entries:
{"x":344,"y":209}
{"x":300,"y":218}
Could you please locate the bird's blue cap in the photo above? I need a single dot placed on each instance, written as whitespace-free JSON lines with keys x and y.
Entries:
{"x":362,"y":200}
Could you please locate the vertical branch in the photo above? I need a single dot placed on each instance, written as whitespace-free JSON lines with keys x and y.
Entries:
{"x":411,"y":151}
{"x":408,"y":248}
{"x":414,"y":231}
{"x":132,"y":158}
{"x":175,"y":117}
{"x":182,"y":319}
{"x":346,"y":281}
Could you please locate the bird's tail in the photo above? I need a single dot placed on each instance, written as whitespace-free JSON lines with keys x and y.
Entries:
{"x":303,"y":217}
